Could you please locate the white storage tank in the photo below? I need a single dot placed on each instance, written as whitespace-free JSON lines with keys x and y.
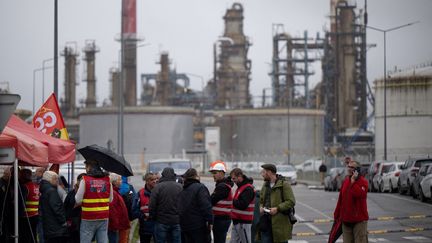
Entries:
{"x":409,"y":115}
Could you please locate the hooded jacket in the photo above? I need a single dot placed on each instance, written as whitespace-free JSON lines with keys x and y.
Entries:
{"x":244,"y":199}
{"x":164,"y":197}
{"x":194,"y":206}
{"x":351,"y":206}
{"x":52,"y":211}
{"x":221,"y":192}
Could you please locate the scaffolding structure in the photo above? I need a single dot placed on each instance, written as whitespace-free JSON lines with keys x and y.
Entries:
{"x":291,"y":70}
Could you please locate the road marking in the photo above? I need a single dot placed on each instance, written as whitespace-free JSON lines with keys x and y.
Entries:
{"x":315,"y":210}
{"x":408,"y":200}
{"x":313,"y":227}
{"x":417,"y":238}
{"x":377,"y":240}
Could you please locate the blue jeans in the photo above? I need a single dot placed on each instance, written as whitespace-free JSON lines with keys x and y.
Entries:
{"x":220,"y":229}
{"x":113,"y":236}
{"x":267,"y":237}
{"x":91,"y":228}
{"x":163,"y":232}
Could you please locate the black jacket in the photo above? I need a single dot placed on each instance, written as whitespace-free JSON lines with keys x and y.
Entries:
{"x":194,"y":206}
{"x":221,"y":192}
{"x":52,"y":211}
{"x":73,"y":214}
{"x":245,"y":198}
{"x":164,"y":197}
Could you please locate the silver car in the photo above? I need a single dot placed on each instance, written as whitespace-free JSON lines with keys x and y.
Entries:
{"x":390,"y":179}
{"x":289,"y":172}
{"x":377,"y":179}
{"x":426,"y":186}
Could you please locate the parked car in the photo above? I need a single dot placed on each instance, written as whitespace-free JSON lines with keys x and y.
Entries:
{"x":390,"y":179}
{"x":409,"y":172}
{"x":426,"y":186}
{"x":377,"y":179}
{"x":180,"y":166}
{"x":289,"y":172}
{"x":373,"y":169}
{"x":330,"y":181}
{"x":309,"y":166}
{"x":423,"y":171}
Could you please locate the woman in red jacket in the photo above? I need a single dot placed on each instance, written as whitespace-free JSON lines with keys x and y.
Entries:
{"x":351,"y":207}
{"x":118,"y":214}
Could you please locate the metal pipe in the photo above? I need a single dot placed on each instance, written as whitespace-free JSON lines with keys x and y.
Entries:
{"x":55,"y":48}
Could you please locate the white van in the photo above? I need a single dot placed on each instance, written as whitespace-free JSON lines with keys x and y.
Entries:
{"x":180,"y":166}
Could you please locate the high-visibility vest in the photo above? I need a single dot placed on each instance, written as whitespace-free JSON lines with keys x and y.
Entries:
{"x":32,"y":200}
{"x":223,"y":207}
{"x":95,"y":203}
{"x":247,"y":214}
{"x":144,"y":202}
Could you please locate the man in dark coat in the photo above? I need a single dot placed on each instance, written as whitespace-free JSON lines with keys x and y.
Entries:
{"x":163,"y":207}
{"x":6,"y":213}
{"x":52,"y":210}
{"x":195,"y":208}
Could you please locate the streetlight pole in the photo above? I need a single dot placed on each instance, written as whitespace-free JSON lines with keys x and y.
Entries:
{"x":43,"y":77}
{"x":55,"y":48}
{"x":34,"y":81}
{"x":385,"y":75}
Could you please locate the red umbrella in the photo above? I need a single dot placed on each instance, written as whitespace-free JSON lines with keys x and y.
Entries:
{"x":336,"y":231}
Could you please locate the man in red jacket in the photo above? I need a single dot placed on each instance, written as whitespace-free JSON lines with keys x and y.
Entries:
{"x":351,"y":207}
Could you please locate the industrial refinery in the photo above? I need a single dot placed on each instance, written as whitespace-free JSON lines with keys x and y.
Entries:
{"x":152,"y":115}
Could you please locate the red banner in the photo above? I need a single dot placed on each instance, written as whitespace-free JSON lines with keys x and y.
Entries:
{"x":49,"y":120}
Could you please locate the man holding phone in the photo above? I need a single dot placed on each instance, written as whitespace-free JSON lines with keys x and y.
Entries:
{"x":351,"y":207}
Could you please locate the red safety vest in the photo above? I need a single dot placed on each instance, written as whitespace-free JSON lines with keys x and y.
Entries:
{"x":223,"y":207}
{"x":32,"y":200}
{"x":95,"y":204}
{"x":144,"y":202}
{"x":247,"y":214}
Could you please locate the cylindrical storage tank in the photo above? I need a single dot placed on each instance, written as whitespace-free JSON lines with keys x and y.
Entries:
{"x":262,"y":134}
{"x":149,"y":132}
{"x":409,"y":117}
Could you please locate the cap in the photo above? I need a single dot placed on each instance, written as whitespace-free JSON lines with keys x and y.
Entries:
{"x":190,"y":173}
{"x":270,"y":167}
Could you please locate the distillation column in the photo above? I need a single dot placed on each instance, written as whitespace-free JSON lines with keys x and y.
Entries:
{"x":90,"y":50}
{"x":232,"y":84}
{"x":68,"y":104}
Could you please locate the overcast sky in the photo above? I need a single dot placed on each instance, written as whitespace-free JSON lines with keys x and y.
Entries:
{"x":187,"y":30}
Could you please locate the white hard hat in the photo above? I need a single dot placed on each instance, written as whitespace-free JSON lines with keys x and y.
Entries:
{"x":217,"y":165}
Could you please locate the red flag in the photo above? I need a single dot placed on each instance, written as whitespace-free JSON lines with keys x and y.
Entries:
{"x":49,"y":120}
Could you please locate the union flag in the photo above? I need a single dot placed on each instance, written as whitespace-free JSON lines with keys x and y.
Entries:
{"x":49,"y":120}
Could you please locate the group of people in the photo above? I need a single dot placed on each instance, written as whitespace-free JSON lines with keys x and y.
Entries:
{"x":99,"y":208}
{"x":169,"y":211}
{"x":50,"y":211}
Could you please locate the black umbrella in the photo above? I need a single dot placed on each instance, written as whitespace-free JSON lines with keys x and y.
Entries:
{"x":107,"y":159}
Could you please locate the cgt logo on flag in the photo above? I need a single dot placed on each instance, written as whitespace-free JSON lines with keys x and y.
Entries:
{"x":49,"y":120}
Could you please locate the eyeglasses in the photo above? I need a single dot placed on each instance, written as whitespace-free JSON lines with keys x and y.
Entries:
{"x":214,"y":172}
{"x":351,"y":167}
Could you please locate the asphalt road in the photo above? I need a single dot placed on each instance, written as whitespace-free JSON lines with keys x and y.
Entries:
{"x":318,"y":204}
